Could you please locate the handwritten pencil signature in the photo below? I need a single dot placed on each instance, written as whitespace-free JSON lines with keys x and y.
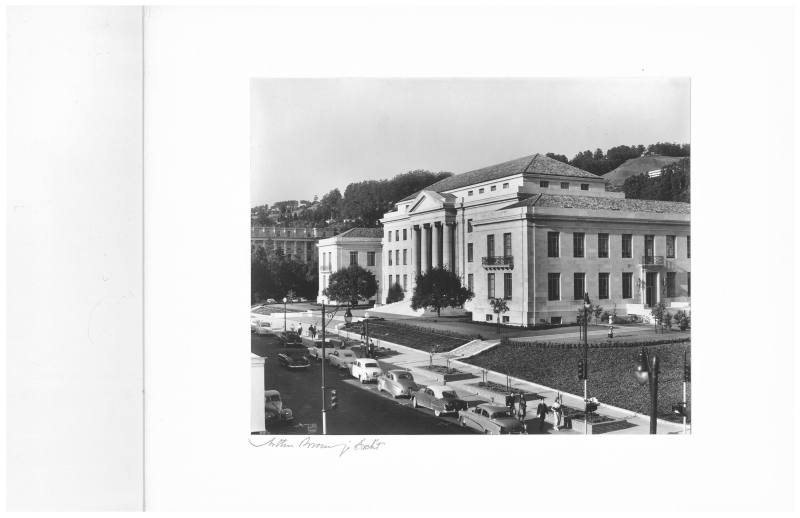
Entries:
{"x":308,"y":443}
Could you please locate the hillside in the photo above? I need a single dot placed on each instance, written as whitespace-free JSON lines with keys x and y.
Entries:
{"x":635,"y":166}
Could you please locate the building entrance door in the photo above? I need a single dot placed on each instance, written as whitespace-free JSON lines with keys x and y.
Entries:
{"x":651,"y":285}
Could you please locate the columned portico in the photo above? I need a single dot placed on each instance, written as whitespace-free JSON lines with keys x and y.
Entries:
{"x":436,"y":251}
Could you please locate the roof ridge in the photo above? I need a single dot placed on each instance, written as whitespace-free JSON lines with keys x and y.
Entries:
{"x":533,"y":159}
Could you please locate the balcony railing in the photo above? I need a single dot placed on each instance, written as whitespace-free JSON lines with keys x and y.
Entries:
{"x":653,"y":260}
{"x":498,"y":262}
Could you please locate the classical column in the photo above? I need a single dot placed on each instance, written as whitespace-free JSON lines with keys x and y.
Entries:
{"x":447,"y":246}
{"x":426,"y":264}
{"x":436,"y":250}
{"x":416,"y":256}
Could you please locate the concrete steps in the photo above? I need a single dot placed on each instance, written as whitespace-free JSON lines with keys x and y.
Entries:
{"x":474,"y":347}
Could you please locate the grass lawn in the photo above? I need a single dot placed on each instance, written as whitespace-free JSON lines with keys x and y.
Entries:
{"x":411,"y":336}
{"x":611,"y":372}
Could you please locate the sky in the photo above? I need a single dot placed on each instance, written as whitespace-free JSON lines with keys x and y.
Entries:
{"x":309,"y":136}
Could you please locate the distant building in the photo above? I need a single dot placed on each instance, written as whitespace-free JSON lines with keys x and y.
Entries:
{"x":540,"y":233}
{"x":361,"y":246}
{"x":297,"y":243}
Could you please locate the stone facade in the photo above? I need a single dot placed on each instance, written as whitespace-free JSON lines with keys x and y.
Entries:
{"x":361,"y":246}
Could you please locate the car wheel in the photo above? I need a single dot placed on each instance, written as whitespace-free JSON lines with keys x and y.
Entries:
{"x":437,"y":413}
{"x":462,"y":422}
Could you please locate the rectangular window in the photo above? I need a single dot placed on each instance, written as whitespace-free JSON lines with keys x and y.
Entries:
{"x":370,"y":258}
{"x":689,"y":284}
{"x":405,"y":279}
{"x":626,"y":246}
{"x":490,"y":245}
{"x":469,"y":225}
{"x":553,"y":286}
{"x":469,"y":193}
{"x":488,"y":317}
{"x":505,"y":185}
{"x":544,"y":183}
{"x":353,"y":258}
{"x":584,"y":186}
{"x":671,"y":247}
{"x":389,"y":253}
{"x":389,"y":236}
{"x":555,"y":321}
{"x":494,"y":188}
{"x":405,"y":256}
{"x":670,"y":284}
{"x":565,"y":185}
{"x":602,"y":245}
{"x":507,"y":244}
{"x":578,"y":286}
{"x":470,"y":282}
{"x":552,"y":244}
{"x":490,"y":284}
{"x":397,"y":235}
{"x":469,"y":252}
{"x":507,"y":286}
{"x":602,"y":282}
{"x":480,"y":191}
{"x":397,"y":257}
{"x":577,"y":244}
{"x":390,"y":281}
{"x":505,"y":319}
{"x":405,"y":236}
{"x":627,"y":285}
{"x":688,"y":247}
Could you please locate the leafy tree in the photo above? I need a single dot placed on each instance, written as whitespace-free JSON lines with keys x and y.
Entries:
{"x":658,"y":313}
{"x":560,"y":158}
{"x":597,"y":310}
{"x":350,"y":284}
{"x":395,"y":294}
{"x":499,"y":306}
{"x":674,"y":184}
{"x":439,"y":288}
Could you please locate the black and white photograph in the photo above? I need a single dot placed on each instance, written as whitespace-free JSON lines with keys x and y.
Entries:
{"x":490,"y":256}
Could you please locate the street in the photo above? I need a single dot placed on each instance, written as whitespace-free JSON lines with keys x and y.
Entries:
{"x":361,"y":409}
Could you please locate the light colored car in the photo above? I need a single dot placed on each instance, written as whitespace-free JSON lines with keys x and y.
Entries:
{"x":271,"y":301}
{"x":439,"y":398}
{"x":341,"y":358}
{"x":397,"y":383}
{"x":365,"y":369}
{"x":253,"y":324}
{"x":315,"y":349}
{"x":490,"y":419}
{"x":274,"y":411}
{"x":263,"y":327}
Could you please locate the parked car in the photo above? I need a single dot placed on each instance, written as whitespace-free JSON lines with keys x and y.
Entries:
{"x":341,"y":358}
{"x":365,"y":369}
{"x":439,"y":398}
{"x":301,"y":299}
{"x":291,"y":339}
{"x":397,"y":383}
{"x":262,"y":328}
{"x":271,"y":301}
{"x":274,"y":411}
{"x":490,"y":419}
{"x":253,"y":324}
{"x":315,"y":349}
{"x":294,"y":361}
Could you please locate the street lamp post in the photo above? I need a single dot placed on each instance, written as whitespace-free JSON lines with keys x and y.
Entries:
{"x":649,"y":374}
{"x":284,"y":314}
{"x":586,"y":305}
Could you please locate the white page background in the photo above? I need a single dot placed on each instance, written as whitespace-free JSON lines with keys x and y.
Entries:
{"x":199,"y":66}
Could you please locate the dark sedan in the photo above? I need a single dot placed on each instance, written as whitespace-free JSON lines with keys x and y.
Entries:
{"x":294,"y":361}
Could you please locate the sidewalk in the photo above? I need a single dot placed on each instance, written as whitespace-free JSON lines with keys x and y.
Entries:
{"x":415,"y":361}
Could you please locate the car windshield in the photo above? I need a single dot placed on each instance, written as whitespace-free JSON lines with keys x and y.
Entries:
{"x":404,"y":376}
{"x":370,"y":364}
{"x":274,"y":397}
{"x":500,"y":413}
{"x":449,"y":394}
{"x":348,"y":354}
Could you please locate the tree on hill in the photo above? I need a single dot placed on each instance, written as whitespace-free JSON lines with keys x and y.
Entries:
{"x":674,"y":184}
{"x":560,"y":158}
{"x":351,"y":284}
{"x":273,"y":275}
{"x":439,"y":288}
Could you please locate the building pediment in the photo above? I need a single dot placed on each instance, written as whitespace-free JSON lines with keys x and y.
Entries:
{"x":428,"y":200}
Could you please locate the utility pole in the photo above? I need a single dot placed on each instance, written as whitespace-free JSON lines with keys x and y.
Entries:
{"x":322,"y":369}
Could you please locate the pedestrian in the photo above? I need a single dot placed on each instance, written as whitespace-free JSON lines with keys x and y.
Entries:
{"x":311,"y":332}
{"x":300,"y":330}
{"x":556,"y":416}
{"x":523,"y":407}
{"x":541,"y":413}
{"x":510,"y":403}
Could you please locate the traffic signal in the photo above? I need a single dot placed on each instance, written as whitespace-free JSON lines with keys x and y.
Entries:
{"x":334,"y":399}
{"x":679,"y":409}
{"x":581,"y":370}
{"x":687,"y":372}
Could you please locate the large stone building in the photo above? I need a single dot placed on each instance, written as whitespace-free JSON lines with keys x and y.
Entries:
{"x":361,"y":246}
{"x":539,"y":232}
{"x":296,"y":243}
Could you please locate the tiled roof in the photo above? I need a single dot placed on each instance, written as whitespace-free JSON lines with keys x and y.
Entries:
{"x":568,"y":201}
{"x":531,"y":164}
{"x":362,"y":232}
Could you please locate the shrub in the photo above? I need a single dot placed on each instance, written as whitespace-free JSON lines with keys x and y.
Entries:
{"x":395,"y":294}
{"x":682,"y":320}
